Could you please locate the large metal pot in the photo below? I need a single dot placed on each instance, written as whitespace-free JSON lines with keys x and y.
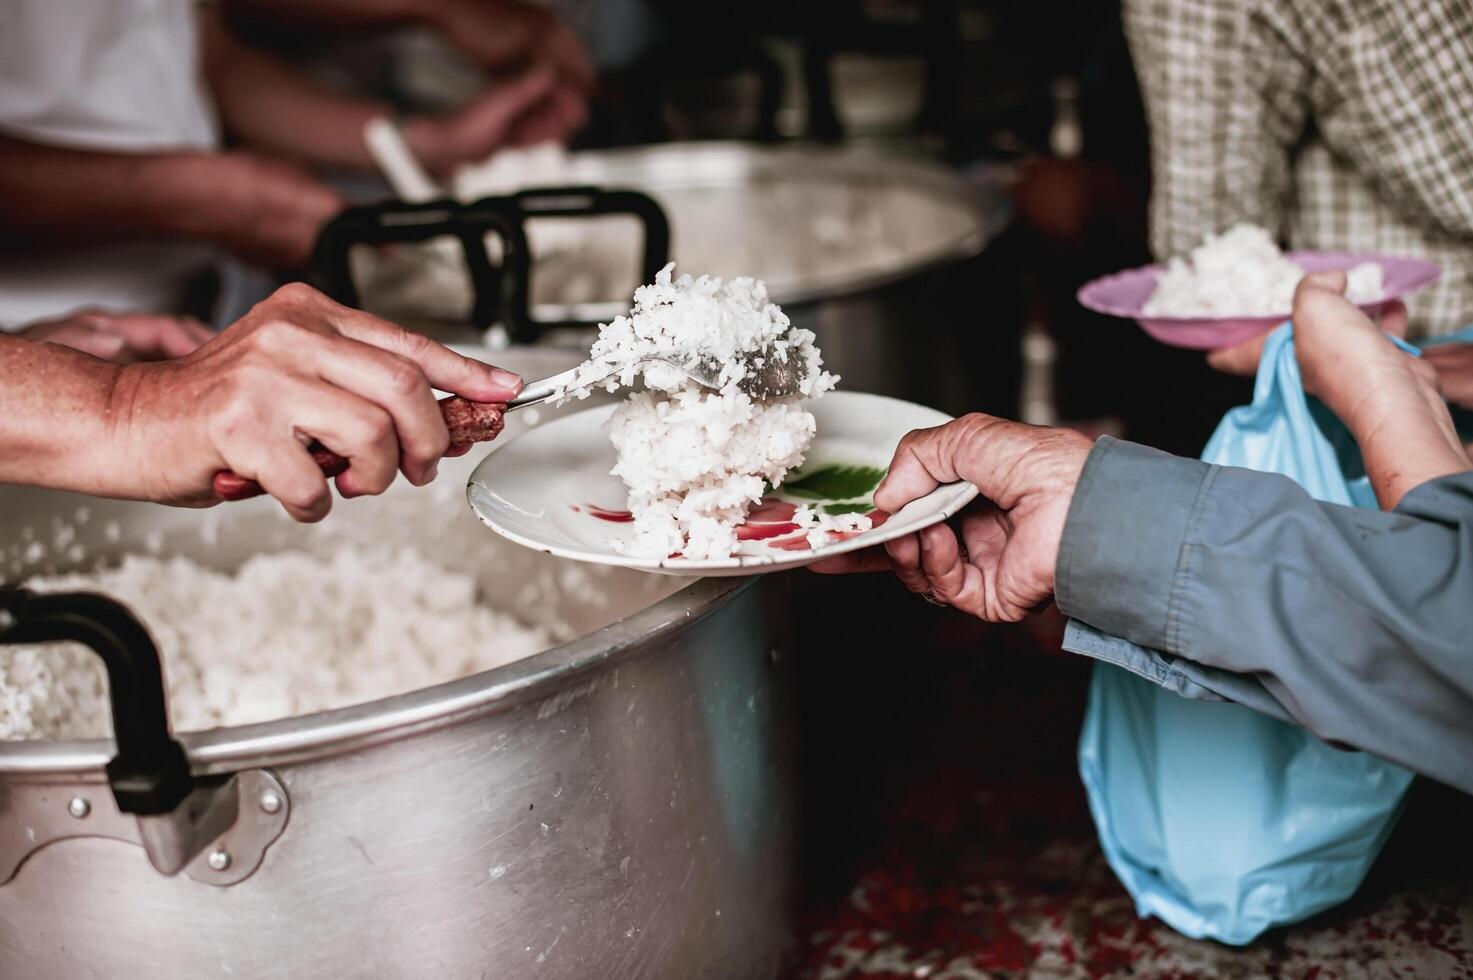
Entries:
{"x":871,"y":252}
{"x":619,"y":806}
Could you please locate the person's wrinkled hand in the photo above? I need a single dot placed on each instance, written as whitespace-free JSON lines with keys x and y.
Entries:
{"x":1346,"y":360}
{"x":1453,"y":364}
{"x":1387,"y":398}
{"x":1002,"y":567}
{"x":264,"y":210}
{"x":297,"y":368}
{"x":122,"y":338}
{"x":529,"y":109}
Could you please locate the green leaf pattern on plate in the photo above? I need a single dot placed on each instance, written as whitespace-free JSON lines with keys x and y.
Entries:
{"x":852,"y":507}
{"x":835,"y":488}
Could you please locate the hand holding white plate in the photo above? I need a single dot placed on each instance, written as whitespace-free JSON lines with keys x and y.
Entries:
{"x":551,"y":490}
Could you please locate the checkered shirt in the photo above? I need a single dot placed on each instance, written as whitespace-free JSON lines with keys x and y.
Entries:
{"x":1337,"y":124}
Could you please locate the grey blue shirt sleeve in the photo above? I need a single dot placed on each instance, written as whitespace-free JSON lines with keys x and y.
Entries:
{"x":1227,"y":584}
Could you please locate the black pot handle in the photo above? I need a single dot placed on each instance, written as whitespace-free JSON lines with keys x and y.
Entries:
{"x":569,"y":202}
{"x":396,"y":221}
{"x":501,"y":294}
{"x":150,"y":774}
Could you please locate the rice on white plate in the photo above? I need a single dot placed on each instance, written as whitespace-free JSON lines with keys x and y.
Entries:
{"x":694,"y":459}
{"x":1242,"y":273}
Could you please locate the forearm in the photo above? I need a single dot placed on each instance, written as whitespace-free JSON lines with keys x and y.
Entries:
{"x":56,"y":417}
{"x":499,"y":35}
{"x":1407,"y":440}
{"x":1190,"y":558}
{"x":55,"y":195}
{"x":268,"y":105}
{"x":1357,"y":621}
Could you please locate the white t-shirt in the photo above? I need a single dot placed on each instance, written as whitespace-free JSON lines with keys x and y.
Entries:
{"x":107,"y":75}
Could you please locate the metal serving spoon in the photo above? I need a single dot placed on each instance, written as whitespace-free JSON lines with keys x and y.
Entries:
{"x":774,"y":378}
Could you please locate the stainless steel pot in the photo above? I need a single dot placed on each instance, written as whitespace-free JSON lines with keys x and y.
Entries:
{"x":619,"y":806}
{"x":871,"y":252}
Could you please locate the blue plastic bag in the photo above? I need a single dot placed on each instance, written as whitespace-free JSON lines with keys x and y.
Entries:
{"x":1221,"y":821}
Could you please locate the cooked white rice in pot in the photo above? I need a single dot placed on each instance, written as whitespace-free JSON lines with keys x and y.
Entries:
{"x":287,"y":634}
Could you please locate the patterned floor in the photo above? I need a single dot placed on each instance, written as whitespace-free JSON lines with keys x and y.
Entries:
{"x":1053,"y":910}
{"x":950,"y":837}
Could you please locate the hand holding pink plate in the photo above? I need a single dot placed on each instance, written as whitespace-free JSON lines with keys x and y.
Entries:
{"x":1125,"y":294}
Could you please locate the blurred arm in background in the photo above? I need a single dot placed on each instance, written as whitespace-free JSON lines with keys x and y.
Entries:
{"x":66,"y":181}
{"x":123,"y":338}
{"x":499,"y":35}
{"x":270,"y":105}
{"x":107,"y":134}
{"x":264,"y":210}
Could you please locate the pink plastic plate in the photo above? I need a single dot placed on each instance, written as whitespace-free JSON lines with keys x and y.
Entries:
{"x":1125,"y":293}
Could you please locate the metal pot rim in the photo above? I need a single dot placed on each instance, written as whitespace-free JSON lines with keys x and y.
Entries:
{"x":328,"y":733}
{"x":670,"y":165}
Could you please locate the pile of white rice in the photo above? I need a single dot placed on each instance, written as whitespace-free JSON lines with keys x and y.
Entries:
{"x":287,"y":634}
{"x":1242,"y":273}
{"x":696,"y":459}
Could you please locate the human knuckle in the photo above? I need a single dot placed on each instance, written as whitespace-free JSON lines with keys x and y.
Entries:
{"x":309,"y":496}
{"x":314,"y":514}
{"x":408,"y":343}
{"x":278,"y":334}
{"x":436,"y":443}
{"x":1312,"y":299}
{"x":253,"y":381}
{"x":295,"y":293}
{"x":374,"y":479}
{"x":375,"y":426}
{"x":970,"y":427}
{"x":237,"y":415}
{"x":403,"y":377}
{"x":411,"y":341}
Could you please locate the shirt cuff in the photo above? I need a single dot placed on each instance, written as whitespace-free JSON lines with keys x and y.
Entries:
{"x":1177,"y":675}
{"x":1131,"y":513}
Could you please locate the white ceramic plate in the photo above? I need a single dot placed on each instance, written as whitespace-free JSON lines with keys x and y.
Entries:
{"x":550,"y":489}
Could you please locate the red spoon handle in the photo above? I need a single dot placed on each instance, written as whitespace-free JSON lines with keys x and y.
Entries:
{"x":469,"y":423}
